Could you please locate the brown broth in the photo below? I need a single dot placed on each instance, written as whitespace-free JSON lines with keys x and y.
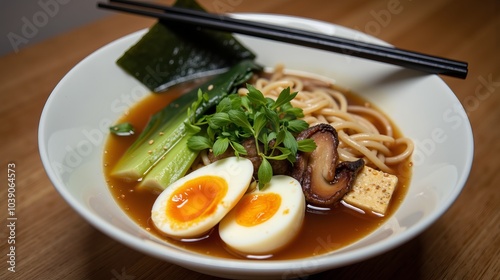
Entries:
{"x":321,"y":233}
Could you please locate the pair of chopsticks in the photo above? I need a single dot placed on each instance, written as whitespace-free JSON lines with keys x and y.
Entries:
{"x":404,"y":58}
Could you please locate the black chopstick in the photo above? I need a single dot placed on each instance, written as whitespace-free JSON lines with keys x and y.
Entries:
{"x":202,"y":14}
{"x":408,"y":59}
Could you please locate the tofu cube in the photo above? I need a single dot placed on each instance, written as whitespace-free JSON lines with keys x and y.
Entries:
{"x":372,"y":190}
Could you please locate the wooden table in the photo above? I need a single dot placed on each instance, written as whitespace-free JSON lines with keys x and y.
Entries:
{"x":54,"y":242}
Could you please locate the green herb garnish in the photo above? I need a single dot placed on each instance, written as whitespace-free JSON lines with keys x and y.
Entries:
{"x":122,"y":129}
{"x":273,"y":124}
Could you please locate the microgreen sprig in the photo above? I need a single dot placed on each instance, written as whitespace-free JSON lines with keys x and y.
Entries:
{"x":273,"y":124}
{"x":122,"y":129}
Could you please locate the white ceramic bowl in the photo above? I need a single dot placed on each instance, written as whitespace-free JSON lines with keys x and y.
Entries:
{"x":75,"y":121}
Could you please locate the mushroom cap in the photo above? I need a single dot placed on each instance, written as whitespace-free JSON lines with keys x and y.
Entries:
{"x":324,"y":180}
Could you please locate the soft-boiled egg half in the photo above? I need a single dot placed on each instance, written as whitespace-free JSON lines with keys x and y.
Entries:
{"x":265,"y":220}
{"x":194,"y":204}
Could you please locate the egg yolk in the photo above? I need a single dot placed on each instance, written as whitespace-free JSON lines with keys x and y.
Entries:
{"x":196,"y":199}
{"x":255,"y":209}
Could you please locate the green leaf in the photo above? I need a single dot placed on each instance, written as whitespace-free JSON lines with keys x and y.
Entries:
{"x":293,"y":112}
{"x":198,"y":143}
{"x":191,"y":128}
{"x":270,"y":103}
{"x":238,"y":148}
{"x":211,"y":133}
{"x":243,"y":134}
{"x":296,"y":126}
{"x":306,"y":145}
{"x":122,"y":129}
{"x":224,"y":105}
{"x":284,"y":97}
{"x":290,"y":142}
{"x":236,"y":101}
{"x":280,"y":137}
{"x":259,"y":122}
{"x":272,"y":118}
{"x":271,"y":136}
{"x":220,"y":146}
{"x":263,"y":138}
{"x":245,"y":103}
{"x":265,"y":173}
{"x":279,"y":157}
{"x":218,"y":120}
{"x":239,"y":118}
{"x":255,"y":96}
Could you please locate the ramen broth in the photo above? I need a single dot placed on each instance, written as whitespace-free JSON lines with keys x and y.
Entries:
{"x":322,"y":231}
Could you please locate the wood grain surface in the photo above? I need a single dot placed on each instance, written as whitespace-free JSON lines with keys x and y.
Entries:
{"x":54,"y":242}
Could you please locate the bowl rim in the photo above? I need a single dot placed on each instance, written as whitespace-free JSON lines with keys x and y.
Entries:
{"x":194,"y":261}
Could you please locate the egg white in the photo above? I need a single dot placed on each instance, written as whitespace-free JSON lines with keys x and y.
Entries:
{"x":273,"y":234}
{"x":237,"y":172}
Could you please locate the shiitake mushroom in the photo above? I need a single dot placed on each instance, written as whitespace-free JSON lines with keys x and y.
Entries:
{"x":324,"y":180}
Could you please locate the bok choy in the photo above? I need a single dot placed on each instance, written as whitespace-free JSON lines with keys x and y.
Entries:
{"x":161,"y":147}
